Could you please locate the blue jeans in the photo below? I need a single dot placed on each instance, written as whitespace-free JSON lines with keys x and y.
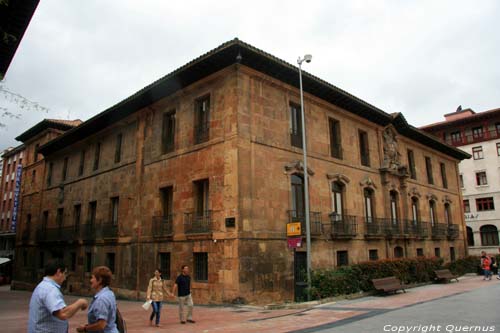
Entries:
{"x":156,"y":311}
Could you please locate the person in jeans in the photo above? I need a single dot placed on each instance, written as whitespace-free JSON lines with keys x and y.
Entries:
{"x":155,"y":293}
{"x":183,"y":286}
{"x":48,"y":312}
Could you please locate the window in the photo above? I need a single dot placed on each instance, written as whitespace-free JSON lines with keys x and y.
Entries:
{"x":432,"y":211}
{"x":456,"y":137}
{"x":35,"y":153}
{"x":420,"y":252}
{"x":428,"y":168}
{"x":481,"y":179}
{"x":414,"y":210}
{"x":33,"y":176}
{"x":489,"y":235}
{"x":461,"y":180}
{"x":92,"y":212}
{"x":25,"y":258}
{"x":114,"y":210}
{"x":335,"y":138}
{"x":394,"y":207}
{"x":444,"y":180}
{"x":164,"y":259}
{"x":373,"y":254}
{"x":483,"y":204}
{"x":470,"y":237}
{"x":168,"y":132}
{"x":477,"y":133}
{"x":45,"y":219}
{"x":202,"y":119}
{"x":337,"y":198}
{"x":437,"y":252}
{"x":201,"y":197}
{"x":368,"y":194}
{"x":88,"y":262}
{"x":342,"y":258}
{"x":49,"y":174}
{"x":41,"y":260}
{"x":82,"y":163}
{"x":77,"y":210}
{"x":477,"y":153}
{"x":298,"y":203}
{"x":110,"y":261}
{"x":398,"y":252}
{"x":28,"y":222}
{"x":64,"y":169}
{"x":201,"y":266}
{"x":411,"y":164}
{"x":118,"y":148}
{"x":72,"y":266}
{"x":97,"y":154}
{"x":364,"y":148}
{"x":295,"y":125}
{"x":466,"y":206}
{"x":498,"y":148}
{"x":166,"y":201}
{"x":60,"y":217}
{"x":452,"y":254}
{"x":447,"y":214}
{"x":497,"y":127}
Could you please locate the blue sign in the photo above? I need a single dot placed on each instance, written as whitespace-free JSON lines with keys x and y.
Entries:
{"x":13,"y":223}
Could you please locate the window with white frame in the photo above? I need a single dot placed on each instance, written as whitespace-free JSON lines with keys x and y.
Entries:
{"x":477,"y":153}
{"x":481,"y":179}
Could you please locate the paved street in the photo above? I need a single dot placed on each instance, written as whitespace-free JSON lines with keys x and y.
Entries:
{"x":470,"y":302}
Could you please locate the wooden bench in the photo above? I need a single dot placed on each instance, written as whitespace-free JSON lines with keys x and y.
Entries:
{"x":445,"y":275}
{"x":388,"y":284}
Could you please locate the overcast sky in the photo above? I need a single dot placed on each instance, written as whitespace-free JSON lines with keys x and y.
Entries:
{"x":421,"y":58}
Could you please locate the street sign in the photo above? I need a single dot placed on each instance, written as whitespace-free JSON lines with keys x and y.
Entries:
{"x":293,"y":229}
{"x":294,"y":242}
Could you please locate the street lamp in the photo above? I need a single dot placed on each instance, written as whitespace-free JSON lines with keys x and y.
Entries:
{"x":307,"y":58}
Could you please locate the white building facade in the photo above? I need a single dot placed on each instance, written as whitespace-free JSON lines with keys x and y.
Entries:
{"x":479,"y":135}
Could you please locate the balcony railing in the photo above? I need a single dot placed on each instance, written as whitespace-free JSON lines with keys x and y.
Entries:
{"x":314,"y":220}
{"x":439,"y":230}
{"x":202,"y":132}
{"x":343,"y":226}
{"x":471,"y":138}
{"x":374,"y":227}
{"x":88,"y":232}
{"x":452,"y":231}
{"x":162,"y":225}
{"x":57,"y":234}
{"x":413,"y":228}
{"x":109,"y":230}
{"x":195,"y":223}
{"x":393,"y":228}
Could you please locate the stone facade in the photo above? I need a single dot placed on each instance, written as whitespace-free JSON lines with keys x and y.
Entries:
{"x":221,"y":205}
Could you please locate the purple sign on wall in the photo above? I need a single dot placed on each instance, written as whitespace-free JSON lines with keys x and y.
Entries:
{"x":13,"y":223}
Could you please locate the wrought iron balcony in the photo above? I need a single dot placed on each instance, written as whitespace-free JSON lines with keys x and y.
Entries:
{"x":414,"y":228}
{"x":314,"y":220}
{"x":109,"y":230}
{"x":393,"y":228}
{"x":439,"y":230}
{"x":196,"y":223}
{"x":343,"y":226}
{"x":88,"y":232}
{"x":374,"y":227}
{"x":162,"y":225}
{"x":57,"y":234}
{"x":202,"y":132}
{"x":452,"y":231}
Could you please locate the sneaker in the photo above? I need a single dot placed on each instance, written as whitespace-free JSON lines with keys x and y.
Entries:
{"x":191,"y":321}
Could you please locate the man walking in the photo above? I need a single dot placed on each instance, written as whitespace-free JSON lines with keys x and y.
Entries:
{"x":48,"y":311}
{"x":183,"y":285}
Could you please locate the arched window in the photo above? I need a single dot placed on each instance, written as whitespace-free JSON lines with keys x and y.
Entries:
{"x":470,"y":237}
{"x":394,"y":207}
{"x":432,"y":212}
{"x":489,"y":235}
{"x":338,"y":198}
{"x":297,"y":197}
{"x":398,"y":252}
{"x":369,"y":213}
{"x":414,"y":211}
{"x":447,"y":214}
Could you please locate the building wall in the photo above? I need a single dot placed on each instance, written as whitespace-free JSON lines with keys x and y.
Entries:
{"x":248,"y":161}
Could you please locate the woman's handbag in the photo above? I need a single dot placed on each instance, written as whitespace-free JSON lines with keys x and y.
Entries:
{"x":147,"y":305}
{"x":121,"y":326}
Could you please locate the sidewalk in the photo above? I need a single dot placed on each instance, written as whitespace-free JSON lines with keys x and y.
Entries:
{"x":209,"y":319}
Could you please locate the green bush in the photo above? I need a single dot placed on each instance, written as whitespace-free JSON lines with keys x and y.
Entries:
{"x":355,"y":278}
{"x":470,"y":264}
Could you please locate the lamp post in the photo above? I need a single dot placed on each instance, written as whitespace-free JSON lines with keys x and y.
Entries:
{"x":307,"y":58}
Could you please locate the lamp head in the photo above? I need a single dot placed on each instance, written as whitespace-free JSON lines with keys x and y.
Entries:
{"x":308,"y":58}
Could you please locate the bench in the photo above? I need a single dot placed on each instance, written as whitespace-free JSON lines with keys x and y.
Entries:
{"x":388,"y":284}
{"x":445,"y":275}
